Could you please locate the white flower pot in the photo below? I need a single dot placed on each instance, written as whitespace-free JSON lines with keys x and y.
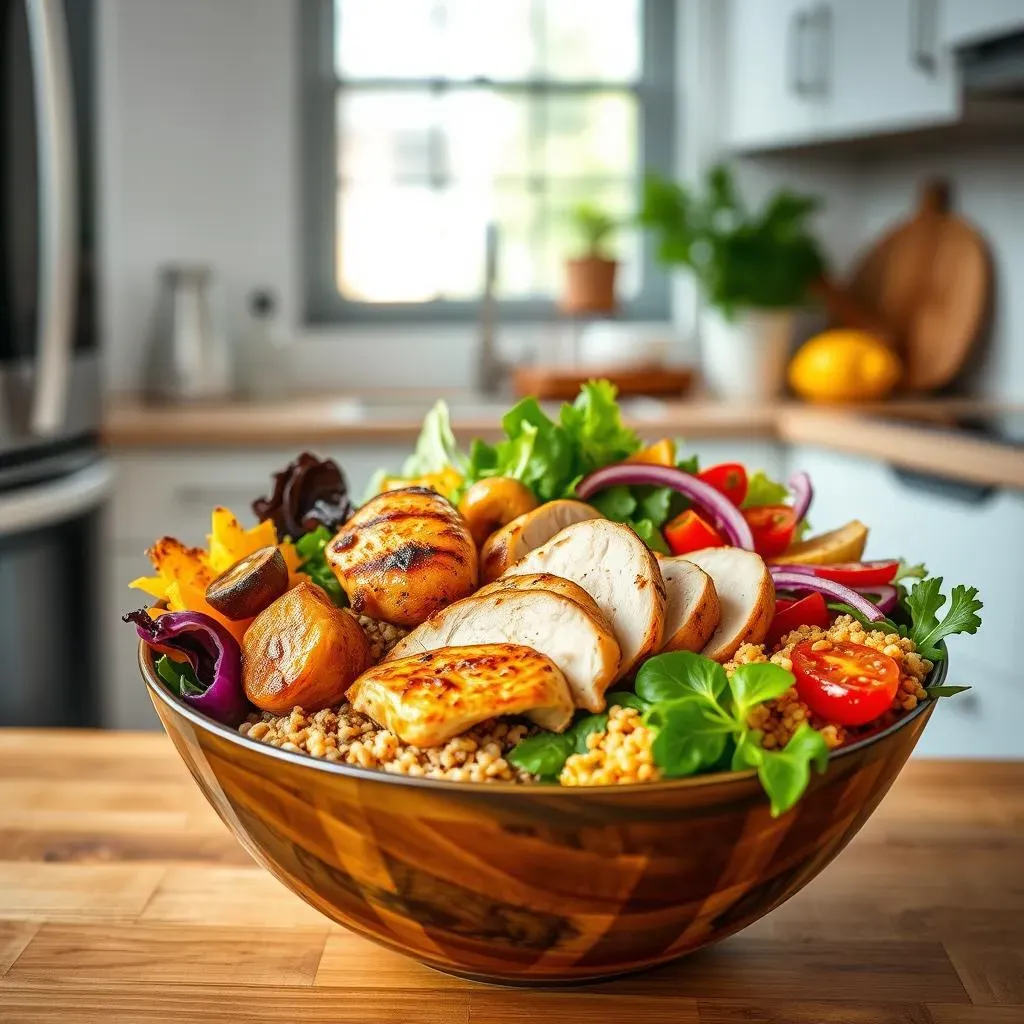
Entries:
{"x":746,"y":357}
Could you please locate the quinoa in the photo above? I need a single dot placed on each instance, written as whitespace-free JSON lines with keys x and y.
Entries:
{"x":346,"y":736}
{"x":620,"y":755}
{"x":780,"y":718}
{"x":382,"y":635}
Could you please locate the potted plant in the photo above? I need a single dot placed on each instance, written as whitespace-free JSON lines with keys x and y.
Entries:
{"x":753,"y":269}
{"x":590,"y":278}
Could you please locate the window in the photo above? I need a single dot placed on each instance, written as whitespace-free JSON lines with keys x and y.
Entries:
{"x":428,"y":120}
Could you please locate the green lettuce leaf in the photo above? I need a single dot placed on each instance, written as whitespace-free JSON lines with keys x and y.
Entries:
{"x":436,"y":447}
{"x":762,"y":490}
{"x":785,"y":774}
{"x":680,"y":674}
{"x":311,"y":549}
{"x":593,"y":423}
{"x":690,"y":736}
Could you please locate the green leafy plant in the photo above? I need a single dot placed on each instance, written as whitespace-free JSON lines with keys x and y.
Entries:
{"x":311,"y":549}
{"x":740,"y":258}
{"x":594,"y":227}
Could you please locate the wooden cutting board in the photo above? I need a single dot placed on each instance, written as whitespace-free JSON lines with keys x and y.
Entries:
{"x":930,"y":281}
{"x":558,"y":383}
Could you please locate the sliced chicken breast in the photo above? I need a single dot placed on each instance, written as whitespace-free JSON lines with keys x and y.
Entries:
{"x":546,"y":581}
{"x":403,"y":555}
{"x":746,"y":595}
{"x":528,"y":531}
{"x":692,"y":608}
{"x":619,"y":571}
{"x":581,"y":644}
{"x":428,"y":698}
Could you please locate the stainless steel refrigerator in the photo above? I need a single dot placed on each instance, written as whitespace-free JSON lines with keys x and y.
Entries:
{"x":53,"y":479}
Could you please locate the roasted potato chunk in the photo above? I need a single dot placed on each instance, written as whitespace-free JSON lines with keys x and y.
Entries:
{"x":404,"y":555}
{"x":302,"y":650}
{"x":428,"y":698}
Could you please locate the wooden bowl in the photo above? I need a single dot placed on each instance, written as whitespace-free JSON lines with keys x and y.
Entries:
{"x":530,"y":884}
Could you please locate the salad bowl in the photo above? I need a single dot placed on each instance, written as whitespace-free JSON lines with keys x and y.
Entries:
{"x":531,"y":885}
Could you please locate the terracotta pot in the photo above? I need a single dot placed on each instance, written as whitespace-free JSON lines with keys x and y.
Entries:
{"x":531,"y":884}
{"x":589,"y":286}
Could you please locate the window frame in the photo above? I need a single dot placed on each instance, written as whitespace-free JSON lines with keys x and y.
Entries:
{"x":323,"y":304}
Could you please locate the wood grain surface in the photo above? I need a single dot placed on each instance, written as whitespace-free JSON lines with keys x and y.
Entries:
{"x":124,"y":898}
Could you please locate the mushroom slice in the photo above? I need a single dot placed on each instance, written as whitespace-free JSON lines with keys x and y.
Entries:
{"x":692,"y":609}
{"x":619,"y":571}
{"x":529,"y":531}
{"x":428,"y":698}
{"x":580,"y":643}
{"x":746,"y":595}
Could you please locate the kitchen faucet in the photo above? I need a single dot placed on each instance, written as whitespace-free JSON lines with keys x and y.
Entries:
{"x":490,"y":370}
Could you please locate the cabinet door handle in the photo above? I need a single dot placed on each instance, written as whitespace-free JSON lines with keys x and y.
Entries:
{"x":922,"y":36}
{"x":799,"y":22}
{"x":821,"y":23}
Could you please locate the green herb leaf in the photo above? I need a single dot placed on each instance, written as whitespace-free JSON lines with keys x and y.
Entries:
{"x":927,"y":629}
{"x":593,"y":424}
{"x":906,"y":571}
{"x":754,"y":684}
{"x":690,"y":735}
{"x":654,"y":503}
{"x":680,"y":674}
{"x":649,"y":534}
{"x":584,"y":727}
{"x":762,"y":490}
{"x":840,"y":608}
{"x":689,"y":464}
{"x":436,"y":448}
{"x":616,"y":503}
{"x":311,"y":549}
{"x":945,"y":691}
{"x":626,"y":699}
{"x":544,"y":754}
{"x":786,"y":773}
{"x":179,"y":677}
{"x":748,"y":752}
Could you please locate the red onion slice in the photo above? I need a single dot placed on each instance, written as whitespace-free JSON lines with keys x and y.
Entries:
{"x":803,"y":493}
{"x":883,"y":594}
{"x":806,"y":582}
{"x":723,"y":512}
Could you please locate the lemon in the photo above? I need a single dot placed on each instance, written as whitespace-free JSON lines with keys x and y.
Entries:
{"x":844,"y":366}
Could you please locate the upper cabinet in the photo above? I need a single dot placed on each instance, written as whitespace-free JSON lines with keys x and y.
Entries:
{"x":806,"y":72}
{"x":973,"y":21}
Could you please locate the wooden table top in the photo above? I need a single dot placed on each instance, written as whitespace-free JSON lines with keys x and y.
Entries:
{"x":124,"y":898}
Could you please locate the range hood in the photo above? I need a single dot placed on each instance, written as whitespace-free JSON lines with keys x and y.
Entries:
{"x":994,"y":69}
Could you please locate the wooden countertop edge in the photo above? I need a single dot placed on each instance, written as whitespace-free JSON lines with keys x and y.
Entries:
{"x":911,"y":446}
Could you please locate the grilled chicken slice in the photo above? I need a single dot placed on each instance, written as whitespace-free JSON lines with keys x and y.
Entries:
{"x":692,"y":609}
{"x":528,"y":531}
{"x":403,"y":555}
{"x":612,"y":564}
{"x":579,"y":642}
{"x":746,"y":594}
{"x":546,"y":581}
{"x":428,"y":698}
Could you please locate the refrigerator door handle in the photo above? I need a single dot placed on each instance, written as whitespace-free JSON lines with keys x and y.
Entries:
{"x":57,"y":501}
{"x":58,"y":211}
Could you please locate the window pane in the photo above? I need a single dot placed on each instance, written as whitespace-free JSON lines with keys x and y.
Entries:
{"x":435,"y":39}
{"x":592,"y":40}
{"x":388,"y":135}
{"x":562,"y":241}
{"x":591,"y":134}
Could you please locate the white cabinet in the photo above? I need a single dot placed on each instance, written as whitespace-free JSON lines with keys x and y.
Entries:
{"x":977,"y":544}
{"x":817,"y":70}
{"x":973,"y":21}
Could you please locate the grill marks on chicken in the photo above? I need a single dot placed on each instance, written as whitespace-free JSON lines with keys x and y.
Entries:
{"x":404,"y":555}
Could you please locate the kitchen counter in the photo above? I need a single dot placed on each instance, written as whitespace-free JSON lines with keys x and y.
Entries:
{"x":123,"y":898}
{"x":395,"y":417}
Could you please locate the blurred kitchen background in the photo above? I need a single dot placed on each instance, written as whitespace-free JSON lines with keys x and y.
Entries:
{"x":231,"y":230}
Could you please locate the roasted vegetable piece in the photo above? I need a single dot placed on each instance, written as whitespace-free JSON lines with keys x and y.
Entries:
{"x":404,"y":555}
{"x":308,"y":493}
{"x":490,"y":504}
{"x":250,"y":585}
{"x":303,"y":650}
{"x":212,"y":652}
{"x":428,"y":698}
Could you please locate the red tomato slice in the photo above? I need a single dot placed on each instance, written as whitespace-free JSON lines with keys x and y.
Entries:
{"x":858,"y":574}
{"x":808,"y":611}
{"x":688,"y":532}
{"x":729,"y":478}
{"x":772,"y":527}
{"x":849,"y":684}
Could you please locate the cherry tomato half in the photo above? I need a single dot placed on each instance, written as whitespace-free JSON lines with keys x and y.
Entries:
{"x":808,"y":611}
{"x":688,"y":532}
{"x":772,"y":527}
{"x":849,"y":684}
{"x":858,"y":574}
{"x":729,"y":478}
